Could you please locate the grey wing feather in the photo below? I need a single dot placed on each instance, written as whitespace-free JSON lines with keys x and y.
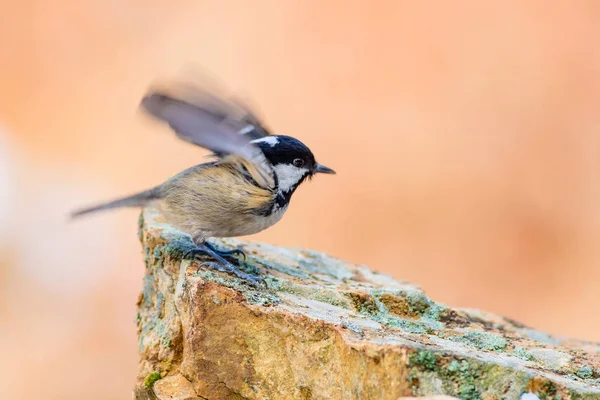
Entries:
{"x":231,"y":111}
{"x":213,"y":123}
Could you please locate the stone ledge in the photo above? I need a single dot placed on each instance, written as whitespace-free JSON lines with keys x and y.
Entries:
{"x":328,"y":329}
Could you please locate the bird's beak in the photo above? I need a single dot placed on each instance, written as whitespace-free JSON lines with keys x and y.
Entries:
{"x":323,"y":169}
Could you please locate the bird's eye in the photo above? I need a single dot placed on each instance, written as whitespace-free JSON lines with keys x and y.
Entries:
{"x":298,"y":162}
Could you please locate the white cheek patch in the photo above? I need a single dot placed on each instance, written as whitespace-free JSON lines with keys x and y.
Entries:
{"x":271,"y":140}
{"x":288,"y":176}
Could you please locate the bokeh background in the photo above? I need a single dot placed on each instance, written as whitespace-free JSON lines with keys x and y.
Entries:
{"x":466,"y":136}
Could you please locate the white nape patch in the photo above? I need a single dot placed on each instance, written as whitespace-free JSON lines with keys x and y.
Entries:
{"x":272,"y":140}
{"x":529,"y":396}
{"x":288,"y":176}
{"x":246,"y":129}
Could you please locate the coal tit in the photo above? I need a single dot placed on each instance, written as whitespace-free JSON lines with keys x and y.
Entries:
{"x":245,"y":190}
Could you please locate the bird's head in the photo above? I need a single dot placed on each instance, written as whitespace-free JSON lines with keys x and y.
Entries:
{"x":292,"y":161}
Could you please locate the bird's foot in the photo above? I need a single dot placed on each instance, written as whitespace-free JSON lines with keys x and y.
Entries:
{"x":226,"y":253}
{"x":221,"y":264}
{"x":233,"y":270}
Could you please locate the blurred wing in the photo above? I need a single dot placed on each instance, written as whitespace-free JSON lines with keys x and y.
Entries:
{"x":213,"y":123}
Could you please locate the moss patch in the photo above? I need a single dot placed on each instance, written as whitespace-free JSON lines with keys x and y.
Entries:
{"x":482,"y":340}
{"x":585,"y":372}
{"x":150,"y":379}
{"x":464,"y":376}
{"x":425,"y":359}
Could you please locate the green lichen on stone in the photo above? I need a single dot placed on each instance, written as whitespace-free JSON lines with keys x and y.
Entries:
{"x":262,"y":298}
{"x":521,"y":353}
{"x":315,"y":293}
{"x":364,"y":303}
{"x":166,"y":342}
{"x":248,"y":267}
{"x":371,"y":306}
{"x":250,"y":293}
{"x":404,"y":324}
{"x":229,"y":281}
{"x":418,"y":302}
{"x":178,"y":246}
{"x":352,"y":327}
{"x":454,"y":377}
{"x":425,"y":359}
{"x":408,"y":325}
{"x":548,"y":391}
{"x":151,"y":379}
{"x":465,"y":376}
{"x":435,"y":311}
{"x":160,"y":301}
{"x":153,"y":323}
{"x":482,"y":340}
{"x":411,"y":303}
{"x":157,"y":252}
{"x":147,"y":260}
{"x":585,"y":372}
{"x":436,"y":373}
{"x":273,"y":282}
{"x":419,"y":326}
{"x":148,"y":291}
{"x":140,"y":231}
{"x":163,"y":331}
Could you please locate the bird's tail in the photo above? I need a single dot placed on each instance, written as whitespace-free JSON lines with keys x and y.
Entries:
{"x":137,"y":200}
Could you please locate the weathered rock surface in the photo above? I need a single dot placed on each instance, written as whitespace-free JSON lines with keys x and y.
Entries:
{"x":326,"y":329}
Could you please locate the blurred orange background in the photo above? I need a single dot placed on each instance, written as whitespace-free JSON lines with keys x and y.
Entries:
{"x":466,"y":137}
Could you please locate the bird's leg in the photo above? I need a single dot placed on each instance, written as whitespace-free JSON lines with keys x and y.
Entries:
{"x":221,"y":263}
{"x":226,"y":253}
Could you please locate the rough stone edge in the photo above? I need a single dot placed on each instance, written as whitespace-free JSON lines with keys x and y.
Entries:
{"x":469,"y":371}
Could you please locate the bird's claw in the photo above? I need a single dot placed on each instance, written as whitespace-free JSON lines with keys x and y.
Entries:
{"x":195,"y":253}
{"x":227,"y":253}
{"x":221,"y":264}
{"x":233,"y":270}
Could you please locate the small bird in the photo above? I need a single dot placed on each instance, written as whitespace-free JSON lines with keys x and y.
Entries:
{"x":245,"y":190}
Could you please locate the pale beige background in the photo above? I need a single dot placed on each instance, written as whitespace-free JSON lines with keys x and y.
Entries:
{"x":466,"y":136}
